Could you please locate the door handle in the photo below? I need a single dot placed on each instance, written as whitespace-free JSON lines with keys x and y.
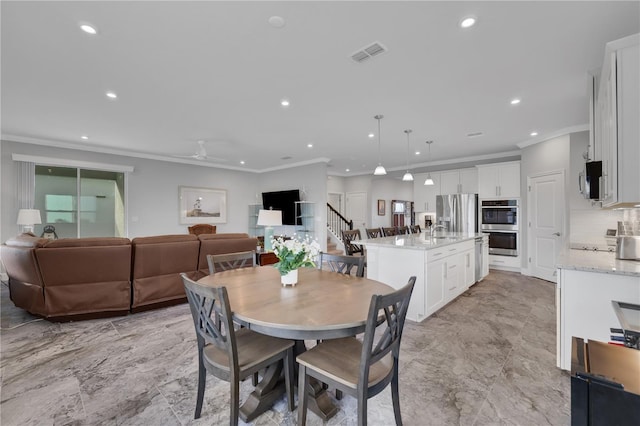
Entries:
{"x":557,"y":234}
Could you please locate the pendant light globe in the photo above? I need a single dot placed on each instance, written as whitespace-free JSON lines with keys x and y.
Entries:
{"x":380,"y":170}
{"x":428,"y":181}
{"x":408,"y":177}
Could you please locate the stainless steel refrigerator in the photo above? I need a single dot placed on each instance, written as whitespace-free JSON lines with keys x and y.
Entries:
{"x":457,"y":212}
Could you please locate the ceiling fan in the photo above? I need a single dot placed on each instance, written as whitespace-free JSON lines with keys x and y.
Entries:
{"x":201,"y":154}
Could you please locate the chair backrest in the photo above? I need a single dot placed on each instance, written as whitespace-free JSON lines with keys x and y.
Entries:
{"x":402,"y":230}
{"x":373,"y":232}
{"x":389,"y":232}
{"x":415,"y":229}
{"x":385,"y":323}
{"x":202,"y":228}
{"x":224,"y":262}
{"x":347,"y":237}
{"x":342,"y":264}
{"x":219,"y":332}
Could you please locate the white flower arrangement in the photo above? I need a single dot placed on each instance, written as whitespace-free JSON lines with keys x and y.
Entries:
{"x":294,"y":253}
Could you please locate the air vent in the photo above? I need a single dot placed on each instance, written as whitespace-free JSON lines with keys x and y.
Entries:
{"x":286,"y":158}
{"x":368,"y":52}
{"x":474,"y":135}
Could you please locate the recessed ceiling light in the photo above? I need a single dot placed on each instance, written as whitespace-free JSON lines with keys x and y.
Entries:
{"x":88,"y":29}
{"x":534,"y":133}
{"x":111,"y":95}
{"x":84,"y":137}
{"x":467,"y":21}
{"x":242,"y":162}
{"x":347,"y":170}
{"x":285,"y":102}
{"x":371,"y":136}
{"x":276,"y":21}
{"x":515,"y":101}
{"x":417,"y":152}
{"x":309,"y":145}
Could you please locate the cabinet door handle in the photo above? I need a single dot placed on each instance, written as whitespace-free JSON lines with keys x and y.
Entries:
{"x":453,"y":249}
{"x":445,"y":269}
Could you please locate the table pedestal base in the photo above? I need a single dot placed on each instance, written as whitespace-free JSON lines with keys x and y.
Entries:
{"x":319,"y":401}
{"x":264,"y":395}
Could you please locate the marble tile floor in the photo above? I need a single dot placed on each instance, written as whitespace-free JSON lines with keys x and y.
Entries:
{"x":487,"y":358}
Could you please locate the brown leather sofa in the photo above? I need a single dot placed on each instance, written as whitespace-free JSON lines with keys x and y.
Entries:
{"x":90,"y":277}
{"x":69,"y":277}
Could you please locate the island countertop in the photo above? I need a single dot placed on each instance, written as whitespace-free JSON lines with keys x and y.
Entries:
{"x":597,"y":261}
{"x":422,"y":241}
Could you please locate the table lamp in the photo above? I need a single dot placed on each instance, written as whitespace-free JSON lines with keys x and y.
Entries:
{"x":269,"y":219}
{"x":27,"y":218}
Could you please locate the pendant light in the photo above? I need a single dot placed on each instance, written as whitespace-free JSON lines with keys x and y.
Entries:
{"x":428,"y":181}
{"x":407,"y":176}
{"x":380,"y":169}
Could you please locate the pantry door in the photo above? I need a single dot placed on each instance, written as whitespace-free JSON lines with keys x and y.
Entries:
{"x":546,"y":223}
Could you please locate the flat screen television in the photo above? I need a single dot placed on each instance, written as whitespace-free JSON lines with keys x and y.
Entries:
{"x":284,"y":201}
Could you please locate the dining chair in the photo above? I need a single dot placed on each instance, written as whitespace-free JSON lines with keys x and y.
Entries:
{"x":202,"y":228}
{"x":373,"y":232}
{"x":342,"y":264}
{"x":347,"y":237}
{"x":358,"y":368}
{"x":230,"y":354}
{"x":415,"y":229}
{"x":403,"y":230}
{"x":390,"y":231}
{"x":224,"y":262}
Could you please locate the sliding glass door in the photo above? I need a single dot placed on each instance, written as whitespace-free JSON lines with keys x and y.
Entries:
{"x":79,"y":202}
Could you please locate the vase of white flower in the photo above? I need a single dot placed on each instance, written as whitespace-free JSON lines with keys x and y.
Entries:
{"x":293,"y":254}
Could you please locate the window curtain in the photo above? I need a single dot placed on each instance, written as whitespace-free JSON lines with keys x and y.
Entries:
{"x":26,"y":184}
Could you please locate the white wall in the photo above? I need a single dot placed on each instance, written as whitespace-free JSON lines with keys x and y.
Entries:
{"x":547,"y":156}
{"x":311,"y":180}
{"x":387,"y":190}
{"x":152,"y":199}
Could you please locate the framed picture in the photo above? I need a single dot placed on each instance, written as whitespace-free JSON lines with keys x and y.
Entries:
{"x":202,"y":205}
{"x":380,"y":207}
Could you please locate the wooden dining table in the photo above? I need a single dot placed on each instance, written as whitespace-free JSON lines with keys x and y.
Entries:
{"x":322,"y":305}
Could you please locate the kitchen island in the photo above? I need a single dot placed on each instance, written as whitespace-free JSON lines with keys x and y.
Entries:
{"x":444,"y":267}
{"x":587,"y":283}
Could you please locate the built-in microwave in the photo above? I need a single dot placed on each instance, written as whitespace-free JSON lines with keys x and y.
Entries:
{"x":499,"y":215}
{"x":589,"y":180}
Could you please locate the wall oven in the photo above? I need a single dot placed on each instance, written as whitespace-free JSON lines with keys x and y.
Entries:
{"x":499,"y":215}
{"x":499,"y":219}
{"x":503,"y":243}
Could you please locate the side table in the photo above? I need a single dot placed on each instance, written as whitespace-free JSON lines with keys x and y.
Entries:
{"x":264,"y":258}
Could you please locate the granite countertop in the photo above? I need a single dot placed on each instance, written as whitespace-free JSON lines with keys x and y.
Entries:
{"x":422,"y":241}
{"x":597,"y":261}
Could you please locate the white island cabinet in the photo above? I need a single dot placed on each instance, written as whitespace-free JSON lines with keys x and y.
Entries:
{"x":444,"y":267}
{"x":587,"y":283}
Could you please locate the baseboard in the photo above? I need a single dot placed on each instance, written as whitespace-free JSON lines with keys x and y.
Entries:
{"x":504,"y":268}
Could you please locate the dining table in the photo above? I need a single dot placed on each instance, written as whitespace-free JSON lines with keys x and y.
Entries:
{"x":322,"y":305}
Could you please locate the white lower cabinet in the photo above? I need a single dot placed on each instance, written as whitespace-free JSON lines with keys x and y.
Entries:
{"x":435,"y":288}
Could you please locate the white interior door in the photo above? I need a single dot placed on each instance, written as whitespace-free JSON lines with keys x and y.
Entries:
{"x":546,"y":223}
{"x":356,"y":209}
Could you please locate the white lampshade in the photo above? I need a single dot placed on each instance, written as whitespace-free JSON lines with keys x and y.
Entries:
{"x":407,"y":177}
{"x":269,"y":218}
{"x":380,"y":171}
{"x":27,"y":218}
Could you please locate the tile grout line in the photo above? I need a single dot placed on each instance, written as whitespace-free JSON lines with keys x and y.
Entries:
{"x":84,"y":410}
{"x":502,"y":368}
{"x":170,"y":406}
{"x":114,"y":327}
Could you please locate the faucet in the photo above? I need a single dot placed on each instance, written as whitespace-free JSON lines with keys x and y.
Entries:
{"x":434,"y":227}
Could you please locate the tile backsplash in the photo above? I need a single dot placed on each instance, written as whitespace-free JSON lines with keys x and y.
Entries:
{"x":590,"y":226}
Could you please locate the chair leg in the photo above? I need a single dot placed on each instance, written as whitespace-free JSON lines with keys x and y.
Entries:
{"x":254,"y":379}
{"x":395,"y":395}
{"x":338,"y":394}
{"x":362,"y":408}
{"x":234,"y":401}
{"x":302,"y":395}
{"x":202,"y":381}
{"x":288,"y":378}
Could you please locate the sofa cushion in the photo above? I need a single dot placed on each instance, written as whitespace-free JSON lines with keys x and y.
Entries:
{"x":157,"y":264}
{"x":87,"y":242}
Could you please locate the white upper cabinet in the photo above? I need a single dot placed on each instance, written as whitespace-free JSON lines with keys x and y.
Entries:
{"x":500,"y":180}
{"x":462,"y":181}
{"x":617,"y":124}
{"x":424,"y":197}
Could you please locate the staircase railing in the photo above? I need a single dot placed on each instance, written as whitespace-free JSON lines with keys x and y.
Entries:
{"x":336,"y":222}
